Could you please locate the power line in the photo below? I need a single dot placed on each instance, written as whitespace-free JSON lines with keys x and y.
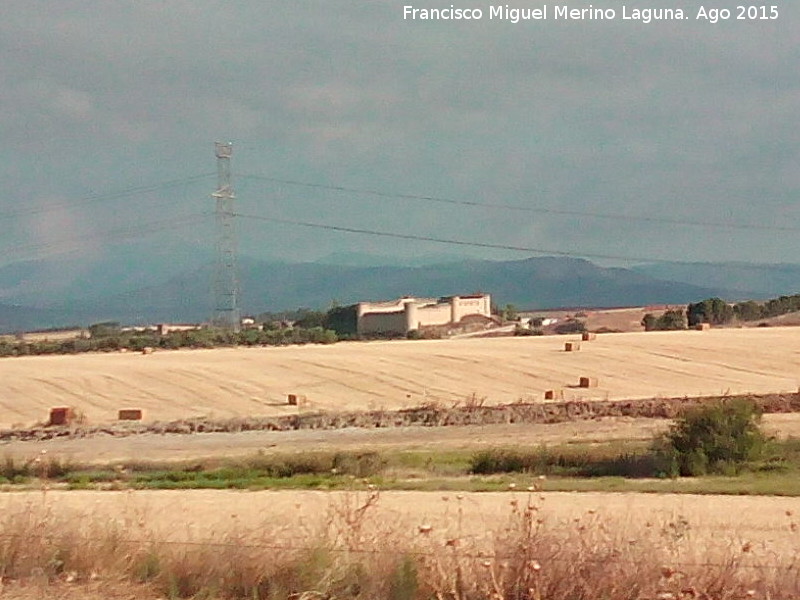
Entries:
{"x":531,"y":209}
{"x":454,"y":242}
{"x":71,"y":244}
{"x":131,"y":191}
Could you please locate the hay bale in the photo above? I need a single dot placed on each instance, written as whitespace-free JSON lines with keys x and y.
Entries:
{"x":61,"y":415}
{"x":129,"y":414}
{"x":147,"y":350}
{"x":572,"y":346}
{"x":588,"y":337}
{"x":588,"y":382}
{"x":703,"y":326}
{"x":292,"y":398}
{"x":554,"y":395}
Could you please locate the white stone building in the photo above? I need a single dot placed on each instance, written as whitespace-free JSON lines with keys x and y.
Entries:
{"x":406,"y":314}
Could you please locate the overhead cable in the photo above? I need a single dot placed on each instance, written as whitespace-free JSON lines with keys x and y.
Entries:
{"x":530,"y":209}
{"x":450,"y":241}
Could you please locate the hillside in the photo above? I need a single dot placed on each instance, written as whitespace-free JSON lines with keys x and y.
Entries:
{"x":14,"y":318}
{"x":764,"y":280}
{"x":534,"y":282}
{"x":132,"y":294}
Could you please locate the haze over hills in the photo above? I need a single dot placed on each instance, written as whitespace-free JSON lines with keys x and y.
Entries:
{"x":69,"y":280}
{"x":26,"y":318}
{"x":545,"y":282}
{"x":764,"y":281}
{"x":360,"y":259}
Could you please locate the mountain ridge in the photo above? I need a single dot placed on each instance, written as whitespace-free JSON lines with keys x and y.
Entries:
{"x":529,"y":283}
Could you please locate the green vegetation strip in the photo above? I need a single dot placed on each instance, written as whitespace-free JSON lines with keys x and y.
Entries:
{"x":612,"y":466}
{"x":719,"y":445}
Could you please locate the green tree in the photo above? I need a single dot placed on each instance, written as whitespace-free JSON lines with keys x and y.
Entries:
{"x":105,"y":329}
{"x":671,"y":320}
{"x":572,"y":326}
{"x":308,"y":319}
{"x":510,"y":313}
{"x":342,"y":319}
{"x":748,"y":311}
{"x":716,"y":438}
{"x":711,"y":310}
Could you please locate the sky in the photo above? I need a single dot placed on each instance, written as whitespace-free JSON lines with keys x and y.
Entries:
{"x":673,"y":140}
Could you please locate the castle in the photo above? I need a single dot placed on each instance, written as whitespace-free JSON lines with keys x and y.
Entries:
{"x":407,"y":314}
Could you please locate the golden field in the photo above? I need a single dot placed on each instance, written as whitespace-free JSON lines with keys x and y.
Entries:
{"x":360,"y":376}
{"x":213,"y":543}
{"x":240,"y":544}
{"x":298,"y":515}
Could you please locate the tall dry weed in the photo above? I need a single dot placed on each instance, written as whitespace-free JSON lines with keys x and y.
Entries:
{"x":356,"y":550}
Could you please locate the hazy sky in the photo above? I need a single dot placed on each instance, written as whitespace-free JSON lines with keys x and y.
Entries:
{"x":678,"y":120}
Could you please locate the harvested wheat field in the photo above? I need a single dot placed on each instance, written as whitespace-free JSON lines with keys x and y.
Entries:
{"x":397,"y":374}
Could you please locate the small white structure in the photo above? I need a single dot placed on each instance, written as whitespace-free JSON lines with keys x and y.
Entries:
{"x":166,"y":328}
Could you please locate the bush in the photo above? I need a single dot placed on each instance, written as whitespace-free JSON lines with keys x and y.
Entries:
{"x":712,"y":310}
{"x":523,"y":331}
{"x":716,"y":438}
{"x":570,"y":327}
{"x":570,"y":463}
{"x":671,"y":320}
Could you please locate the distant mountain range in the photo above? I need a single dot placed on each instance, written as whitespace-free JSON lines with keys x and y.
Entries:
{"x":762,"y":281}
{"x":26,"y":318}
{"x":40,"y":295}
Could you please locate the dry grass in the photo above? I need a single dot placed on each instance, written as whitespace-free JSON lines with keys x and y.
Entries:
{"x":374,"y":545}
{"x":390,"y":375}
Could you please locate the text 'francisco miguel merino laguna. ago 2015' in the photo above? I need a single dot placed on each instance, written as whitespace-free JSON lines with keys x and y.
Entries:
{"x":563,"y":12}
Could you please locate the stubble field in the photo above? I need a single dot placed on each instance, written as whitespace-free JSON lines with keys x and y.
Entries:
{"x":749,"y":540}
{"x":398,"y":374}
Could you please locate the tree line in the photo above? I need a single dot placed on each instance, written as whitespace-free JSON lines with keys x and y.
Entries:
{"x":105,"y":337}
{"x":716,"y":311}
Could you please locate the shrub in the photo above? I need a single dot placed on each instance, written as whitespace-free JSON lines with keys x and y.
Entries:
{"x":523,"y":331}
{"x":712,"y":310}
{"x":567,"y":327}
{"x":10,"y":470}
{"x":716,"y":438}
{"x":363,"y":464}
{"x":571,"y":463}
{"x":671,"y":320}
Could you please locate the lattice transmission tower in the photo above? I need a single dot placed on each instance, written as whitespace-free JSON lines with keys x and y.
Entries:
{"x":226,"y":278}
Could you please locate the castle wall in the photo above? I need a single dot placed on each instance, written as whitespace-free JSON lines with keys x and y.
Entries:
{"x":383,"y":322}
{"x":470,"y":305}
{"x":434,"y":314}
{"x":403,"y":315}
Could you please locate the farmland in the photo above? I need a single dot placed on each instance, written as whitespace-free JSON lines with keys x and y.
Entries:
{"x":389,"y":375}
{"x":110,"y":541}
{"x":215,"y":544}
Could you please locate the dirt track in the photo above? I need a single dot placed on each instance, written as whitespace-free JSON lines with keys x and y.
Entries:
{"x":359,"y":376}
{"x":177,"y":447}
